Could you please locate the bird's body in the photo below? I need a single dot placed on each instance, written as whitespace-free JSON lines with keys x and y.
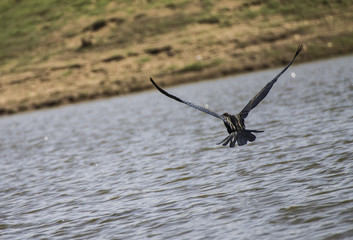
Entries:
{"x":237,"y":133}
{"x":235,"y":123}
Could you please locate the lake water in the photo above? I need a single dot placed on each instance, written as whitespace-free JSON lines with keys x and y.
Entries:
{"x":144,"y":166}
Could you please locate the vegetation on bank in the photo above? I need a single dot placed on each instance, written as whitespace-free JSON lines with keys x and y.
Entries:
{"x":54,"y":52}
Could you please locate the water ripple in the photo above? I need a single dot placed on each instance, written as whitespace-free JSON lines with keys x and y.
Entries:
{"x":143,"y":166}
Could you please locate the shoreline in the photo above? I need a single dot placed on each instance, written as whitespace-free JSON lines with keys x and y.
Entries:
{"x":168,"y":81}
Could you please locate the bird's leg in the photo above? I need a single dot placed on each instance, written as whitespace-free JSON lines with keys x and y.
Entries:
{"x":229,"y":138}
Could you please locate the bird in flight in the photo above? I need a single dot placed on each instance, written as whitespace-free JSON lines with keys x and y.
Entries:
{"x":235,"y":123}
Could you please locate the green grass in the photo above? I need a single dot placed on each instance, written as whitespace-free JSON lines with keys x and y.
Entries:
{"x":27,"y":25}
{"x":209,"y":19}
{"x":198,"y":66}
{"x":144,"y":59}
{"x":171,"y":4}
{"x":294,"y":10}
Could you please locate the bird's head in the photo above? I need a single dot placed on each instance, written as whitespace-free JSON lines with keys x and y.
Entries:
{"x":226,"y":114}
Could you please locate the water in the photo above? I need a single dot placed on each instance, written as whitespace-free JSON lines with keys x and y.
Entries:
{"x":144,"y":166}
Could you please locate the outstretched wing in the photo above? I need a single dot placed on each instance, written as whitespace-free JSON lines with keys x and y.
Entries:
{"x":202,"y":109}
{"x":264,"y":91}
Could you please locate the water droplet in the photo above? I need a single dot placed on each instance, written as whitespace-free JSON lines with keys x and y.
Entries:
{"x":293,"y":74}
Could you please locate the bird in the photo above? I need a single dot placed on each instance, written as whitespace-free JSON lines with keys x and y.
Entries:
{"x":235,"y":123}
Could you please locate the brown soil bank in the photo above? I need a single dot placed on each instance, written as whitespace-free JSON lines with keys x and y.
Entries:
{"x":53,"y":54}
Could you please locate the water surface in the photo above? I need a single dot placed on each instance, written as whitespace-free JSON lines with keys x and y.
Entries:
{"x":144,"y":166}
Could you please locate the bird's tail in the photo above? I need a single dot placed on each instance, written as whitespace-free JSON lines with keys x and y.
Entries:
{"x":242,"y":137}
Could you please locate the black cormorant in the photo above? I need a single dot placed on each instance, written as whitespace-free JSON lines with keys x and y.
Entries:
{"x":235,"y":123}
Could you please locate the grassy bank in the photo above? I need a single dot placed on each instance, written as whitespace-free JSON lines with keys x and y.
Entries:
{"x":56,"y":52}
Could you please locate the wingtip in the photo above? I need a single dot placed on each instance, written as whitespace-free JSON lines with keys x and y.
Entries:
{"x":153,"y":82}
{"x":300,"y":48}
{"x":156,"y":86}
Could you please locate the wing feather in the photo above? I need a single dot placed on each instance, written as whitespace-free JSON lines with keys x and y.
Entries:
{"x":265,"y":90}
{"x":202,"y":109}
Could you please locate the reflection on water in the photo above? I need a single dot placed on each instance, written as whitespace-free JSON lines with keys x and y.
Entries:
{"x":144,"y":166}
